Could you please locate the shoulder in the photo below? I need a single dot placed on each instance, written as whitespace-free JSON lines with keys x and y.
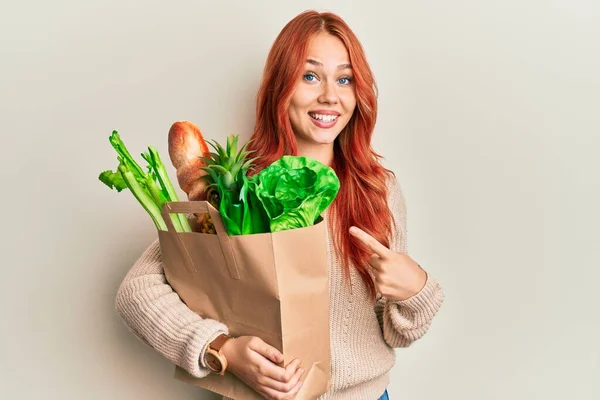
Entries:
{"x":397,"y":206}
{"x":396,"y":198}
{"x":395,"y":192}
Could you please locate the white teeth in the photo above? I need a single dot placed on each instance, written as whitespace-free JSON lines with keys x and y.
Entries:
{"x":324,"y":118}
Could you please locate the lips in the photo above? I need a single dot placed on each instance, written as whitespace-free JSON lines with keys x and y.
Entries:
{"x":324,"y":120}
{"x":324,"y":112}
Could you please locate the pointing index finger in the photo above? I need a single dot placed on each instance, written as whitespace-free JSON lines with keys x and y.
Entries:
{"x":370,"y":242}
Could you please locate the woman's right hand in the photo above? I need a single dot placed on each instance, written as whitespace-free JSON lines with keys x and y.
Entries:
{"x":255,"y":363}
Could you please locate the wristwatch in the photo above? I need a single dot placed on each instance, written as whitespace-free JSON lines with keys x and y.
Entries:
{"x":214,"y":358}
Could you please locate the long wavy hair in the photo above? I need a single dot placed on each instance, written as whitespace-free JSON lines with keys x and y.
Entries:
{"x":362,"y":199}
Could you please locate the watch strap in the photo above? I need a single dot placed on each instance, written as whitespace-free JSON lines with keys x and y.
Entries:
{"x":218,"y":343}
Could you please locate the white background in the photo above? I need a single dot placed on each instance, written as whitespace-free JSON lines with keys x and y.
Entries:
{"x":489,"y":115}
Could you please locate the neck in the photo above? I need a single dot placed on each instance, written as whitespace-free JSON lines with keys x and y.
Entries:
{"x":322,"y":153}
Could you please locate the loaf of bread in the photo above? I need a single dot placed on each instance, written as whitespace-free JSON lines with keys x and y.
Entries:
{"x":186,"y":147}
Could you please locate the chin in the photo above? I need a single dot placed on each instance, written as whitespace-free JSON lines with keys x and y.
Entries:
{"x":324,"y":137}
{"x":323,"y":141}
{"x":317,"y":137}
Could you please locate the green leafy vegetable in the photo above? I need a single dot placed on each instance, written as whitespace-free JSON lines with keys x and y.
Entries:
{"x":255,"y":218}
{"x":294,"y":191}
{"x":152,"y":189}
{"x":290,"y":193}
{"x":113,"y":180}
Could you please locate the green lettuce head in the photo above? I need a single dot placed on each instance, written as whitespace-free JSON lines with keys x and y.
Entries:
{"x":294,"y":191}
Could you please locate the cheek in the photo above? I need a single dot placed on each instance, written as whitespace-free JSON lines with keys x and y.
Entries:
{"x":297,"y":107}
{"x":293,"y":110}
{"x":349,"y":102}
{"x":302,"y":99}
{"x":295,"y":114}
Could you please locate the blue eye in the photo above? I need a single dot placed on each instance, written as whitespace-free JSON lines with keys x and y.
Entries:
{"x":345,"y":81}
{"x":309,"y":77}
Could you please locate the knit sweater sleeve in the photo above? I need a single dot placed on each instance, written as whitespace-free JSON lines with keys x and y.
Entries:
{"x":404,"y":322}
{"x":153,"y":311}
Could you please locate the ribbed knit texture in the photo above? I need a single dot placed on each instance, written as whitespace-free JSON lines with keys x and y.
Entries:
{"x":363,"y":335}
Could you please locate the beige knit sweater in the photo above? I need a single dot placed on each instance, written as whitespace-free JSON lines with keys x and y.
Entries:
{"x":363,"y":335}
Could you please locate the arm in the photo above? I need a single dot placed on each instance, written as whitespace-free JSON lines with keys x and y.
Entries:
{"x":157,"y":316}
{"x":404,"y":322}
{"x":153,"y":311}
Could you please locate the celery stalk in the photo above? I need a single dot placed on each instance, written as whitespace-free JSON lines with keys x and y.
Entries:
{"x":160,"y":200}
{"x":152,"y":189}
{"x":156,"y":164}
{"x":143,"y":197}
{"x":119,"y":146}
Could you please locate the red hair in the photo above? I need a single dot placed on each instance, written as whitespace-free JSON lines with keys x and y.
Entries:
{"x":362,"y":199}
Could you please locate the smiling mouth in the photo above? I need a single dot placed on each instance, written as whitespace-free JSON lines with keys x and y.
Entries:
{"x":323,"y":118}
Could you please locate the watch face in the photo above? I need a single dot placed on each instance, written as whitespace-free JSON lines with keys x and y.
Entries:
{"x":213,"y":362}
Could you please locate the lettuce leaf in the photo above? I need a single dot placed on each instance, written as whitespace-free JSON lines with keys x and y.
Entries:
{"x":294,"y":191}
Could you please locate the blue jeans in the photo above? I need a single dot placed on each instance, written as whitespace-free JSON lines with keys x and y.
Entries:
{"x":384,"y":396}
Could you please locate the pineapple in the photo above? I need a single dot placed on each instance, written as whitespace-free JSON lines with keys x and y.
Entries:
{"x":225,"y":170}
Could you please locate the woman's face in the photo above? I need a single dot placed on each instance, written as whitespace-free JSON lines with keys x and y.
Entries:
{"x":324,"y":99}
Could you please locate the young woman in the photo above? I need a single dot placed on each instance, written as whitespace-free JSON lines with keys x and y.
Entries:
{"x":317,"y":99}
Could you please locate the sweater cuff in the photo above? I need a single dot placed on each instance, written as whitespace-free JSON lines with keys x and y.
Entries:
{"x":428,"y":300}
{"x":215,"y":335}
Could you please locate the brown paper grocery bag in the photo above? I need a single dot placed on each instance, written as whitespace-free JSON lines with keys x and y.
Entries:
{"x":271,"y":285}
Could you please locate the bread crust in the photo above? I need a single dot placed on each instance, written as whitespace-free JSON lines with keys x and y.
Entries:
{"x":186,"y":146}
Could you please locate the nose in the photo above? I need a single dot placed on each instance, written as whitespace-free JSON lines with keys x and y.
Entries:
{"x":328,"y":93}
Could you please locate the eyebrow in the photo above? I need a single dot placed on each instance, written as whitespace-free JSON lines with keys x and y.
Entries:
{"x":320,"y":64}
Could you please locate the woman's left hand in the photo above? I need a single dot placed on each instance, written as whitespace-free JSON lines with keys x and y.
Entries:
{"x":396,"y":276}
